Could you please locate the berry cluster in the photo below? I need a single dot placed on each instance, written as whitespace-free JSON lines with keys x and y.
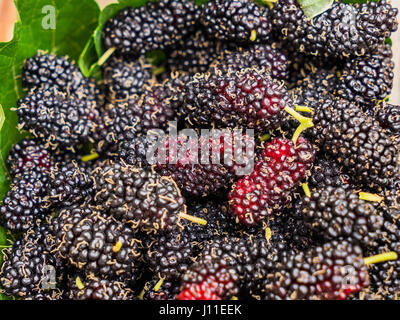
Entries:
{"x":255,"y":158}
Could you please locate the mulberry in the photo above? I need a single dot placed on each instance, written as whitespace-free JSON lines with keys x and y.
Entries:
{"x":236,"y":20}
{"x":155,"y":26}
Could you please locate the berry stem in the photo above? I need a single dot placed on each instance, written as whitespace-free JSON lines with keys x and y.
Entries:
{"x":117,"y":247}
{"x":296,"y":115}
{"x":305,"y":123}
{"x":306,"y":189}
{"x":268,"y":234}
{"x":373,"y":197}
{"x":193,"y":219}
{"x":105,"y":56}
{"x":90,"y":157}
{"x":141,"y":295}
{"x":158,"y":284}
{"x":265,"y":137}
{"x":269,"y":3}
{"x":159,"y":70}
{"x":253,"y":35}
{"x":387,"y":256}
{"x":298,"y":131}
{"x":304,"y":109}
{"x":101,"y":61}
{"x":79,"y":283}
{"x":382,"y":101}
{"x":2,"y":116}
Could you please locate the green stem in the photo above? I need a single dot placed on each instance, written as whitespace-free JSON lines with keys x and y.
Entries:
{"x":304,"y":109}
{"x":265,"y":137}
{"x":373,"y":197}
{"x":383,"y":257}
{"x":79,"y":283}
{"x":102,"y":60}
{"x":105,"y":56}
{"x":306,"y":189}
{"x":305,"y":122}
{"x":158,"y":284}
{"x":193,"y":219}
{"x":158,"y":71}
{"x":269,"y":3}
{"x":90,"y":157}
{"x":253,"y":35}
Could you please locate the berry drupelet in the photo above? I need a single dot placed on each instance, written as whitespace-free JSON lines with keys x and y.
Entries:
{"x":167,"y":291}
{"x":96,"y":243}
{"x":301,"y":65}
{"x":252,"y":256}
{"x":219,"y":221}
{"x":239,"y":21}
{"x":57,"y":119}
{"x":385,"y":276}
{"x":171,"y":254}
{"x":326,"y":172}
{"x":388,"y":116}
{"x":249,"y":98}
{"x":341,"y":31}
{"x":367,"y":80}
{"x":28,"y":155}
{"x":155,"y":26}
{"x":335,"y":213}
{"x":23,"y":272}
{"x":47,"y":70}
{"x":315,"y":86}
{"x":269,"y":187}
{"x":51,"y":295}
{"x":292,"y":229}
{"x":69,"y":184}
{"x":258,"y":56}
{"x":124,"y":79}
{"x":194,"y":53}
{"x":356,"y":141}
{"x":138,"y":196}
{"x":184,"y":159}
{"x":202,"y":291}
{"x":25,"y":201}
{"x":210,"y":278}
{"x":93,"y":288}
{"x":329,"y":272}
{"x":153,"y":109}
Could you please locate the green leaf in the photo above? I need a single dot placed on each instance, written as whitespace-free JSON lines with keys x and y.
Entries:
{"x":10,"y":91}
{"x":57,"y":26}
{"x":107,"y":13}
{"x":313,"y":8}
{"x":74,"y":22}
{"x":389,"y":41}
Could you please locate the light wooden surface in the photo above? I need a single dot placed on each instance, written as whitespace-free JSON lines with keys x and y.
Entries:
{"x":8,"y":16}
{"x":395,"y":96}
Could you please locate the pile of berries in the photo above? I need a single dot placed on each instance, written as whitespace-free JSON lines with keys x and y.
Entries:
{"x":259,"y":161}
